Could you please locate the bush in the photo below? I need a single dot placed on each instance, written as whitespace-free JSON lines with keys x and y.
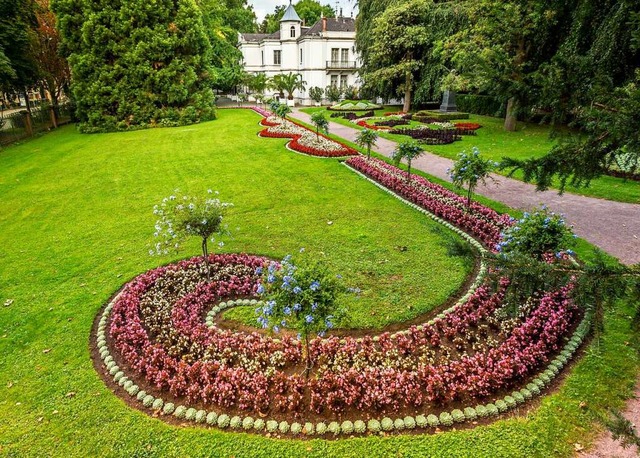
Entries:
{"x":247,"y":423}
{"x":501,"y":406}
{"x":147,"y":401}
{"x":212,"y":418}
{"x":308,"y":428}
{"x":224,"y":421}
{"x":190,"y":414}
{"x":535,"y":389}
{"x":133,"y":390}
{"x":518,"y":396}
{"x":481,"y":104}
{"x":446,"y":419}
{"x":398,"y":424}
{"x":470,"y":413}
{"x":386,"y":424}
{"x":481,"y":411}
{"x":201,"y":416}
{"x":258,"y":424}
{"x":180,"y":412}
{"x":374,"y":426}
{"x":457,"y":416}
{"x":334,"y":428}
{"x":168,"y":408}
{"x":359,"y":426}
{"x":321,"y":429}
{"x":296,"y":428}
{"x":283,"y":427}
{"x":272,"y":426}
{"x":421,"y":421}
{"x":526,"y":393}
{"x":409,"y":422}
{"x":433,"y":421}
{"x":492,"y":410}
{"x":510,"y":402}
{"x":346,"y":427}
{"x":235,"y":422}
{"x":157,"y":404}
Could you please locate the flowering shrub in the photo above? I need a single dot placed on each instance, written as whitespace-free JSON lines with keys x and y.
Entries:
{"x":539,"y":234}
{"x":429,"y":136}
{"x":298,"y":298}
{"x":467,"y":125}
{"x":470,"y":169}
{"x":182,"y":216}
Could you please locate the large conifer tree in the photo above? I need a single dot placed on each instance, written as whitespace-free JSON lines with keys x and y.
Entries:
{"x":137,"y":63}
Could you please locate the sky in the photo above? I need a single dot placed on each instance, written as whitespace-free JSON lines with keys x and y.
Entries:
{"x":264,"y":7}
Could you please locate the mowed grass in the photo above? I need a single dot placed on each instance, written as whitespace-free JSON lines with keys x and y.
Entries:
{"x":76,"y":217}
{"x":529,"y":141}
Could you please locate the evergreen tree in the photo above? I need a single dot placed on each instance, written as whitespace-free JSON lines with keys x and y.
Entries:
{"x":136,"y":63}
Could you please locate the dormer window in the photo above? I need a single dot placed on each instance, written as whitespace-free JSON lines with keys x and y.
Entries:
{"x":293,"y":31}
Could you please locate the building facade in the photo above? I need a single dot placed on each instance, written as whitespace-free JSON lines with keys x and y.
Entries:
{"x":324,"y":54}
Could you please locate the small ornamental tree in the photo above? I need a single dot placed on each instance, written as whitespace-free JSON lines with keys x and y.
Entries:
{"x":316,"y":93}
{"x":541,"y":234}
{"x":407,"y":151}
{"x":471,"y":169}
{"x":367,"y":138}
{"x":320,"y":121}
{"x":301,"y":298}
{"x":181,"y":216}
{"x":333,"y":93}
{"x":282,"y":110}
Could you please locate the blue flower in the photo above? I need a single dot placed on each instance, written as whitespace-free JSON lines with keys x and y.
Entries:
{"x":271,"y":279}
{"x":260,"y":289}
{"x":321,"y":333}
{"x":283,"y":323}
{"x":297,"y":290}
{"x":297,"y":307}
{"x":276,"y":328}
{"x":259,"y":271}
{"x":314,"y":306}
{"x":287,"y":310}
{"x":315,"y":285}
{"x":308,"y":319}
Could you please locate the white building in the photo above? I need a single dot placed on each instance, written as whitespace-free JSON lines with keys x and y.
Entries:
{"x":324,"y":54}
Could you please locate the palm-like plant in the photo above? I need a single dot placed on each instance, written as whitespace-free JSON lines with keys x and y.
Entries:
{"x":366,"y":139}
{"x":259,"y":83}
{"x":407,"y":151}
{"x":282,"y":110}
{"x":288,"y":83}
{"x":320,"y":121}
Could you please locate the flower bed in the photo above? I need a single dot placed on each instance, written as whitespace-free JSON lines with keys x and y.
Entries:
{"x":467,"y":125}
{"x":429,"y":136}
{"x":304,"y":140}
{"x":483,"y":222}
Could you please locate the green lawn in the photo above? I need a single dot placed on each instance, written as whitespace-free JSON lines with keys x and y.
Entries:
{"x":76,"y":218}
{"x":531,"y":140}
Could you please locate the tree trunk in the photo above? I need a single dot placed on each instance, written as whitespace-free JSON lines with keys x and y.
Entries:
{"x":26,"y":100}
{"x":307,"y":370}
{"x":510,"y":119}
{"x":407,"y":93}
{"x":469,"y":192}
{"x":205,"y":257}
{"x":408,"y":171}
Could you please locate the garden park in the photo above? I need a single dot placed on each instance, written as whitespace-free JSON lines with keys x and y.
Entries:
{"x":185,"y":279}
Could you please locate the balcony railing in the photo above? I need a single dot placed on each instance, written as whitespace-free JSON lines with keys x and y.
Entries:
{"x":341,"y":65}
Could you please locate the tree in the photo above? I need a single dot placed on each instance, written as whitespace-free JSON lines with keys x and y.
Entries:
{"x":299,"y":297}
{"x":367,"y":138}
{"x":333,"y":93}
{"x":18,"y":64}
{"x":408,"y":151}
{"x":308,"y":10}
{"x":156,"y":67}
{"x":288,"y":83}
{"x":181,"y":216}
{"x":471,"y":169}
{"x":258,"y":83}
{"x":319,"y":120}
{"x":399,"y":40}
{"x":282,"y":110}
{"x":53,"y":69}
{"x":316,"y":93}
{"x":501,"y":50}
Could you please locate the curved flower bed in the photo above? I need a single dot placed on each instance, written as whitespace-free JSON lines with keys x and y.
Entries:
{"x":483,"y":222}
{"x":303,"y":140}
{"x":159,"y":341}
{"x":467,"y":125}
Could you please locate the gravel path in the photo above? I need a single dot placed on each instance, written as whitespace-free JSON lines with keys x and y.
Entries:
{"x":612,"y":226}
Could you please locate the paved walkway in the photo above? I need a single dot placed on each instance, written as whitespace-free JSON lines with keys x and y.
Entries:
{"x":612,"y":226}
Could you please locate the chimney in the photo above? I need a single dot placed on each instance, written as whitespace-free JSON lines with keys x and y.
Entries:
{"x":324,"y":24}
{"x":341,"y":12}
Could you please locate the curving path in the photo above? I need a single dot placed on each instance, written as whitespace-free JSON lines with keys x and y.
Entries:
{"x":612,"y":226}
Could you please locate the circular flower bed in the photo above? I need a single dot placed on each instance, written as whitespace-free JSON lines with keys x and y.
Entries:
{"x":159,"y":341}
{"x":355,"y":105}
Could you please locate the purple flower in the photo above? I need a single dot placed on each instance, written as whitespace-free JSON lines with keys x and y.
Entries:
{"x":308,"y":319}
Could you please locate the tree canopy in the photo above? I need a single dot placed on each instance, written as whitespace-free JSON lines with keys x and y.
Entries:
{"x":18,"y":65}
